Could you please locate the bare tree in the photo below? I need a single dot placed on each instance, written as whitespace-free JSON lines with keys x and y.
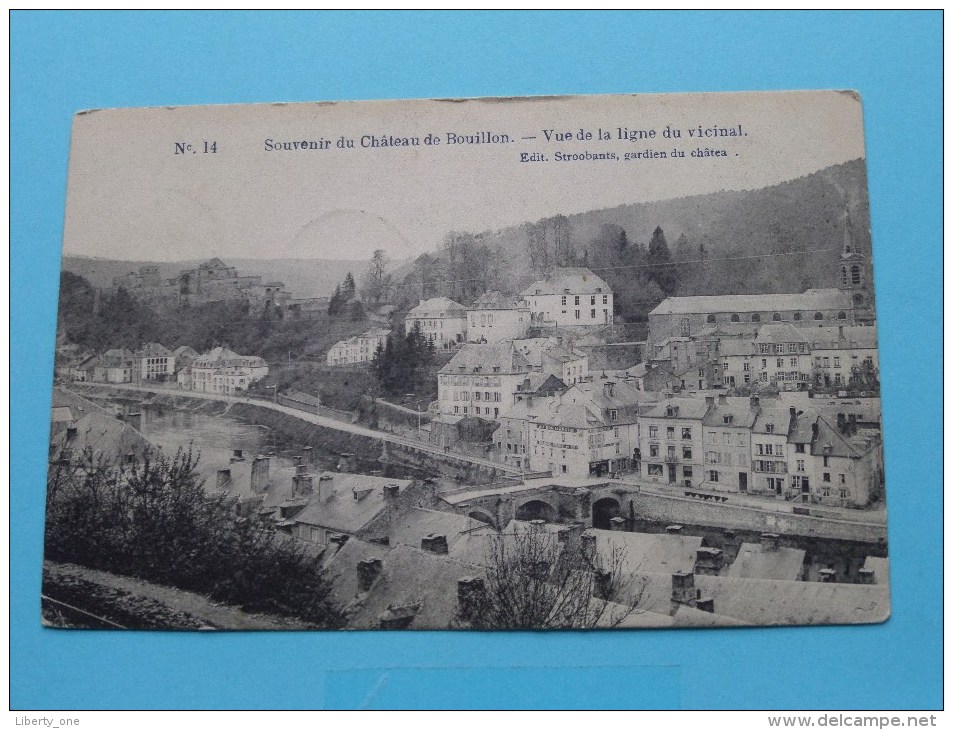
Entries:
{"x":536,"y":580}
{"x":377,"y":280}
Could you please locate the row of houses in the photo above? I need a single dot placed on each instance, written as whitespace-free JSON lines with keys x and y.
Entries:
{"x":358,"y":349}
{"x":217,"y":371}
{"x":565,"y":298}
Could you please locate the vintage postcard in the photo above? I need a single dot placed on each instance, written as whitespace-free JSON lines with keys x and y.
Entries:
{"x":535,"y":363}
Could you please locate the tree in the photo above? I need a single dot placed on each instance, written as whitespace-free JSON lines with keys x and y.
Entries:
{"x":661,"y":269}
{"x":377,"y":280}
{"x":151,"y":518}
{"x":348,"y":288}
{"x":535,"y":581}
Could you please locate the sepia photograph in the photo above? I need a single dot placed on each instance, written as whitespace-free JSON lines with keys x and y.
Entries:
{"x":575,"y":362}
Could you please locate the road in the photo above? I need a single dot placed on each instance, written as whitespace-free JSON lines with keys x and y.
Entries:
{"x":309,"y":418}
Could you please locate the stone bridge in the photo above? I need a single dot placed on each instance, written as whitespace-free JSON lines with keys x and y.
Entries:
{"x":591,"y":502}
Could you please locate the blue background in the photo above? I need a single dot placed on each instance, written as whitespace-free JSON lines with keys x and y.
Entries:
{"x":63,"y":62}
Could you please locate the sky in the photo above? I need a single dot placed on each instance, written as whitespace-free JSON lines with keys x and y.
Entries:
{"x":147,"y":184}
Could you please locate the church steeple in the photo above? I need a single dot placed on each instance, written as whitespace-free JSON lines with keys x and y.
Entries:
{"x":852,"y":267}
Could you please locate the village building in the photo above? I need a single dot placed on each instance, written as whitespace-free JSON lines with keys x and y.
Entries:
{"x":222,"y":371}
{"x":671,"y":445}
{"x":494,"y":317}
{"x":154,"y":362}
{"x":769,"y":446}
{"x":844,"y":356}
{"x":555,"y":356}
{"x":114,"y":366}
{"x":358,"y":349}
{"x":726,"y":432}
{"x":590,"y":430}
{"x":480,"y":380}
{"x":569,"y":297}
{"x":442,"y":322}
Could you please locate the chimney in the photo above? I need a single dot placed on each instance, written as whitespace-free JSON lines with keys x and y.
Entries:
{"x":298,"y":461}
{"x":300,"y":469}
{"x":814,"y":430}
{"x":674,"y":529}
{"x":471,"y":596}
{"x":793,"y":411}
{"x":755,"y":402}
{"x":770,"y":541}
{"x":828,"y":575}
{"x":222,"y":478}
{"x":705,"y":604}
{"x":571,"y":533}
{"x":259,"y":474}
{"x":392,"y":502}
{"x":302,"y":485}
{"x":588,"y":539}
{"x":347,"y":463}
{"x":607,"y":388}
{"x":617,"y":523}
{"x":722,"y":400}
{"x":325,"y":486}
{"x":683,"y":588}
{"x":866,"y":576}
{"x":708,"y":561}
{"x":71,"y":432}
{"x":308,"y":454}
{"x":237,"y":455}
{"x":338,"y":540}
{"x":709,"y":400}
{"x":368,"y":571}
{"x":436,"y":544}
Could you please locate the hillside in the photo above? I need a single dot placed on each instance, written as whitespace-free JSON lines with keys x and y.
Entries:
{"x":701,"y":231}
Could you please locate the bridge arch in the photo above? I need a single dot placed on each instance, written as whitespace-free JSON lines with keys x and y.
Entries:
{"x":603,"y":510}
{"x":481,"y":515}
{"x":536,"y":509}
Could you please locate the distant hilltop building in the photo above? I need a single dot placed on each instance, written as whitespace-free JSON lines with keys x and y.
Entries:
{"x":358,"y":349}
{"x":569,"y":297}
{"x":211,"y":281}
{"x":850,"y":303}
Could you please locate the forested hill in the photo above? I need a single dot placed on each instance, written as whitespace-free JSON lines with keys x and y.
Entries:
{"x":708,"y":233}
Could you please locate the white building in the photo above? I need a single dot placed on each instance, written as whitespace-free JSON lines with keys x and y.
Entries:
{"x":555,"y":356}
{"x":154,"y":362}
{"x":671,"y":447}
{"x":843,"y":354}
{"x":358,"y":349}
{"x":222,"y":371}
{"x":494,"y":317}
{"x":569,"y":297}
{"x":480,"y":380}
{"x":726,"y":432}
{"x":442,"y":321}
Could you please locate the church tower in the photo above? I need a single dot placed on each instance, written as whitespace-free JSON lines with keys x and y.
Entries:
{"x":853,"y":275}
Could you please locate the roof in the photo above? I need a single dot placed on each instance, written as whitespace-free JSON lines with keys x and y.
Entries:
{"x":774,"y":602}
{"x":778,"y":416}
{"x":184,"y":351}
{"x":466,"y":537}
{"x":739,"y":411}
{"x":812,"y":299}
{"x":779,"y":332}
{"x":494,"y":300}
{"x":153,"y":349}
{"x":214,"y":357}
{"x":484,"y":358}
{"x":735,"y":347}
{"x":344,"y":511}
{"x":62,"y":414}
{"x":96,"y":428}
{"x":424,"y":585}
{"x":842,"y":338}
{"x":754,"y":561}
{"x":568,"y":280}
{"x":688,"y":408}
{"x":642,"y":552}
{"x":438,"y":307}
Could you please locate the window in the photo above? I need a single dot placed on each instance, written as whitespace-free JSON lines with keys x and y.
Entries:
{"x":613,"y":414}
{"x":746,"y":366}
{"x":711,"y":319}
{"x":842,"y":478}
{"x":655,"y":470}
{"x":653,"y":451}
{"x":779,"y":362}
{"x":687,"y":453}
{"x":764,"y":364}
{"x":592,"y":314}
{"x":735,"y":318}
{"x":827,"y":461}
{"x":577,"y":301}
{"x":827,"y":476}
{"x":577,"y":312}
{"x":836,"y":362}
{"x":797,"y":316}
{"x":755,"y":317}
{"x":563,"y":301}
{"x":800,"y":464}
{"x":671,"y":453}
{"x":713,"y":476}
{"x":686,"y":433}
{"x":818,"y":316}
{"x":653,"y":432}
{"x":854,"y":274}
{"x":670,"y":432}
{"x":825,"y":491}
{"x":799,"y":448}
{"x":842,"y":315}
